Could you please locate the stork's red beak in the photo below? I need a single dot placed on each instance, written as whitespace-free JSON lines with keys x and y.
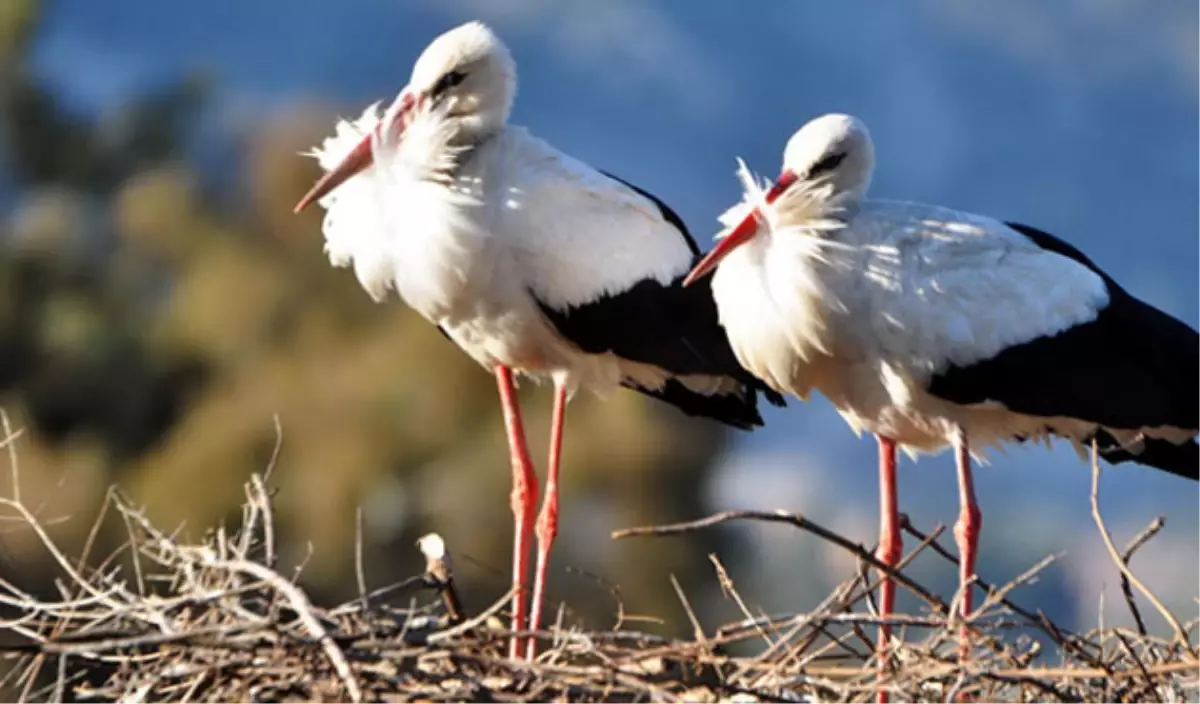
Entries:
{"x":740,"y":235}
{"x":360,"y":157}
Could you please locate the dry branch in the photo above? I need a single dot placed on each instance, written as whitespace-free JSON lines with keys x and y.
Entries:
{"x":1127,"y":573}
{"x":798,"y":521}
{"x":1138,"y":541}
{"x":215,"y":621}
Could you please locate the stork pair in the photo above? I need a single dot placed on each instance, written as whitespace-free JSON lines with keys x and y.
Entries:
{"x":924,"y":326}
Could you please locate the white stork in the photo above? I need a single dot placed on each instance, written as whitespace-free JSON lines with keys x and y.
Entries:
{"x":930,"y":327}
{"x":528,"y":259}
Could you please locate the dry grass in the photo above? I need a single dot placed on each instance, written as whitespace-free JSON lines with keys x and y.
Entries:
{"x":161,"y":620}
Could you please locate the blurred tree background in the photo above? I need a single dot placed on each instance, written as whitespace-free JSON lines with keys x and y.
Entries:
{"x":153,"y":324}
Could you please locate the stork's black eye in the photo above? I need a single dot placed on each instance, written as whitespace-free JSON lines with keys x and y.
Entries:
{"x":446,"y":82}
{"x":829,"y":163}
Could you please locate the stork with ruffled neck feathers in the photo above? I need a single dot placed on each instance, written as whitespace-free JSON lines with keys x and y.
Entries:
{"x":930,"y":328}
{"x":531,"y":261}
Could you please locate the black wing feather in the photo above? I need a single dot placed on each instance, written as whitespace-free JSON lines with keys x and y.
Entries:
{"x":1131,"y":367}
{"x":669,"y":326}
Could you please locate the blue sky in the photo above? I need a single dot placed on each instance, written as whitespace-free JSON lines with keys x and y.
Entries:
{"x":1076,"y":117}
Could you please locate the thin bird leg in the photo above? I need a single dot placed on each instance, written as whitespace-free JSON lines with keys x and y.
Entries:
{"x":966,"y":531}
{"x":524,"y":498}
{"x":889,"y":549}
{"x":547,"y":525}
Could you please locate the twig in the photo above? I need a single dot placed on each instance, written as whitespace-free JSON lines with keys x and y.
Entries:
{"x":1044,"y":673}
{"x":613,"y":590}
{"x":60,"y":680}
{"x":9,"y":441}
{"x":263,"y":501}
{"x":102,"y":644}
{"x":1140,"y":665}
{"x":952,"y":559}
{"x":1138,"y":541}
{"x":134,"y":556}
{"x":998,"y":596}
{"x":274,"y":461}
{"x":1061,"y":637}
{"x":844,"y":599}
{"x":303,"y":607}
{"x":793,"y":519}
{"x":729,"y":590}
{"x":417,"y":580}
{"x":697,"y":629}
{"x":360,"y":572}
{"x":1180,"y":633}
{"x":869,"y":585}
{"x":465,"y":626}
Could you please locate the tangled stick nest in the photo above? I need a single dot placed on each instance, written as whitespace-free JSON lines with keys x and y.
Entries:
{"x":216,"y":621}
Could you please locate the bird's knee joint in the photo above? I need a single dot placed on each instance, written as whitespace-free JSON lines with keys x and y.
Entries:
{"x":969,"y":523}
{"x":547,"y":528}
{"x":889,"y":551}
{"x":547,"y":524}
{"x":523,"y":498}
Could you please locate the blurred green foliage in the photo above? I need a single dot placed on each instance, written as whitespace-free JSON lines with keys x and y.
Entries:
{"x":152,"y":325}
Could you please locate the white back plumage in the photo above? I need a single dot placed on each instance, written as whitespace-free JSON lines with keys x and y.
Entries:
{"x":572,"y":233}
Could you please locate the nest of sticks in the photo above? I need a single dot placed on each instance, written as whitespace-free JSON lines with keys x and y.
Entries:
{"x":216,"y":621}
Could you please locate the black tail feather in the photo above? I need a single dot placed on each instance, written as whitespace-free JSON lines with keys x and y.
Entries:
{"x":730,"y":409}
{"x":1180,"y":460}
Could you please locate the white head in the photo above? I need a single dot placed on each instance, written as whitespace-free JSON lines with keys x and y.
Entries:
{"x":466,"y":75}
{"x":834,"y":148}
{"x":831,"y":152}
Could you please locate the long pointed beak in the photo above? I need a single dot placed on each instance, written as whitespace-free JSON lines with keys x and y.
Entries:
{"x":740,"y":235}
{"x":360,"y":157}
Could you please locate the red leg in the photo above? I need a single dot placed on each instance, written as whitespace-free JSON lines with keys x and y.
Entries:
{"x":547,"y":525}
{"x":524,"y":497}
{"x":889,"y":548}
{"x":966,"y":529}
